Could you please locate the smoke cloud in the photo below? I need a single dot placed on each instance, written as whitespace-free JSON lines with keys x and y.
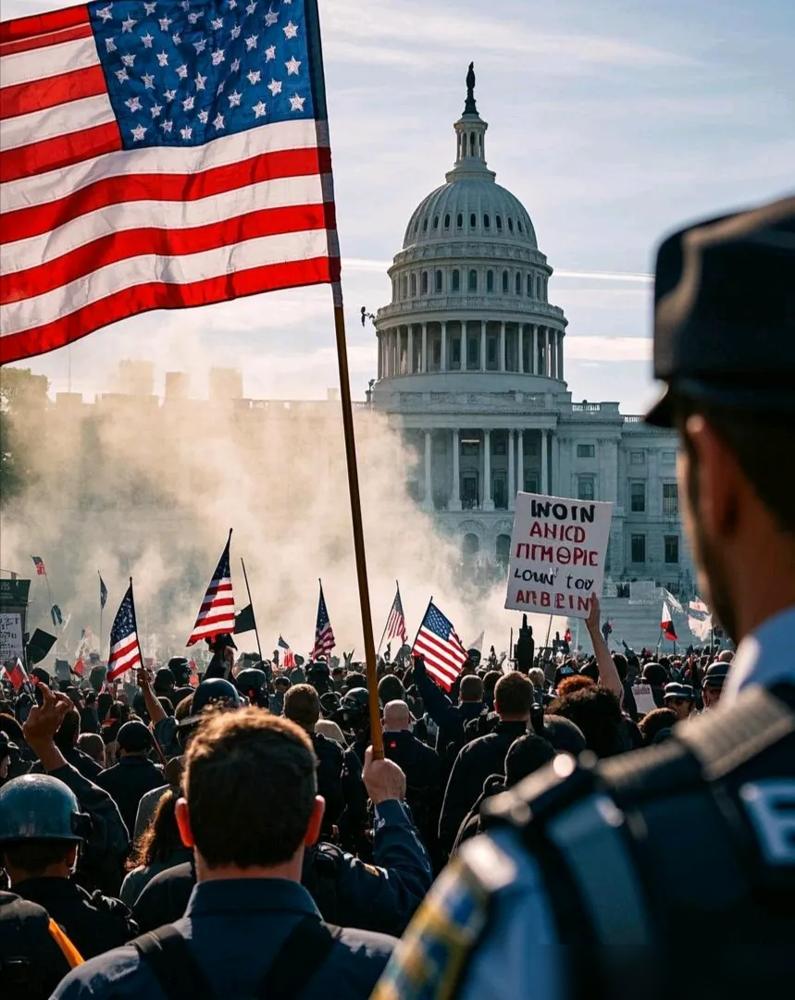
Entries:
{"x":134,"y":486}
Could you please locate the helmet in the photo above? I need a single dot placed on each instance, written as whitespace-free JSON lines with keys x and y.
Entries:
{"x":354,"y":708}
{"x":180,"y":669}
{"x":716,"y":674}
{"x":250,"y":679}
{"x":215,"y":691}
{"x":39,"y":807}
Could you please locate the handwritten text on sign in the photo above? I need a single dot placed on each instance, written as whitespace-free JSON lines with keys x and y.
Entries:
{"x":558,"y":550}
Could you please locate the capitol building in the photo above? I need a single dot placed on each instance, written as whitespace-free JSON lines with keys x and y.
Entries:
{"x":471,"y":370}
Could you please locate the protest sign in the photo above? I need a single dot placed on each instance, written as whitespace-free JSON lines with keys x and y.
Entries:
{"x":644,"y":699}
{"x":558,"y":549}
{"x":10,"y":636}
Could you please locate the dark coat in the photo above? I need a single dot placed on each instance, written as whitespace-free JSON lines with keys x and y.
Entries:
{"x":127,"y":782}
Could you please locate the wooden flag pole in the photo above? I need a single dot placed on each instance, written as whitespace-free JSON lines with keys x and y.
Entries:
{"x":376,"y":735}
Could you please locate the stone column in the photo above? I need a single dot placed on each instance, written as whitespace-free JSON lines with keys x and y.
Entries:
{"x":546,"y":351}
{"x":380,"y":357}
{"x":482,"y":345}
{"x":520,"y":461}
{"x":428,"y":498}
{"x":553,"y":354}
{"x":511,"y":473}
{"x":503,"y":359}
{"x":544,"y":462}
{"x":424,"y":347}
{"x":455,"y":496}
{"x":488,"y":503}
{"x":462,"y":364}
{"x":534,"y":365}
{"x":560,"y":355}
{"x":444,"y":346}
{"x":410,"y":350}
{"x":520,"y":346}
{"x":555,"y":478}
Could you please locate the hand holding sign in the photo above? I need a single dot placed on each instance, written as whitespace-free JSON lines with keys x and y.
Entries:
{"x":558,"y":550}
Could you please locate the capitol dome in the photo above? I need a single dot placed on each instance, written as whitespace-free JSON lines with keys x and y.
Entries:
{"x":469,"y":285}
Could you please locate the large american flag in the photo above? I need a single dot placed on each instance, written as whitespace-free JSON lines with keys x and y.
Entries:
{"x":396,"y":622}
{"x":324,"y":633}
{"x":442,"y":650}
{"x":125,"y":650}
{"x":158,"y":155}
{"x":217,"y":612}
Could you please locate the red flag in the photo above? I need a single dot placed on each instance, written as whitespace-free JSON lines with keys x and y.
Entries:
{"x":79,"y":667}
{"x":567,"y":636}
{"x":18,"y":675}
{"x":193,"y":679}
{"x":667,"y":623}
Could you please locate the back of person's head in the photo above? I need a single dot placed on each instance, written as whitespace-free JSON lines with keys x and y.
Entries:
{"x":524,"y":756}
{"x":576,"y":683}
{"x":564,"y":735}
{"x":590,"y":670}
{"x":93,"y":745}
{"x":621,"y":664}
{"x":597,"y":713}
{"x":396,"y":716}
{"x":513,"y":696}
{"x":302,"y":706}
{"x":490,"y":679}
{"x":655,"y":674}
{"x":654,"y":723}
{"x":536,"y":677}
{"x":250,"y":787}
{"x":471,"y":688}
{"x":68,"y":731}
{"x":725,"y":656}
{"x":390,"y":688}
{"x":161,"y":837}
{"x":354,"y":680}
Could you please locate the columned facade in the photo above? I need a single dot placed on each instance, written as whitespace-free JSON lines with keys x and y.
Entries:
{"x":471,"y":370}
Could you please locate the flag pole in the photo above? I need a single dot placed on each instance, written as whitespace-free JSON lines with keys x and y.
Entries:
{"x":99,"y":575}
{"x":376,"y":736}
{"x":386,"y":625}
{"x":251,"y":605}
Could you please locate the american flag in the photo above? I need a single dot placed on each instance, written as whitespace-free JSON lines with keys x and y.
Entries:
{"x":217,"y":612}
{"x":324,"y":633}
{"x":441,"y":648}
{"x":38,"y":562}
{"x":396,"y":622}
{"x":125,"y":650}
{"x":159,"y":155}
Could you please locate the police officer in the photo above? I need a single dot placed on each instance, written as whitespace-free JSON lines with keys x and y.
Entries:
{"x":250,"y":929}
{"x":40,"y":830}
{"x":172,"y":734}
{"x":712,"y":685}
{"x":35,"y":954}
{"x":134,"y":775}
{"x":572,"y":892}
{"x":302,"y":706}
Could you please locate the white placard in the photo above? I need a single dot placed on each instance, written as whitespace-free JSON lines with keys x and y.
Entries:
{"x":644,"y":699}
{"x":558,"y":550}
{"x":10,"y":636}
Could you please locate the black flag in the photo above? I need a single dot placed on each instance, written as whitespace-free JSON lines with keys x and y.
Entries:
{"x":244,"y":620}
{"x":103,"y":592}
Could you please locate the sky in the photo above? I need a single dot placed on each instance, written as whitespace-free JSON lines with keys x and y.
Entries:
{"x":613,"y":123}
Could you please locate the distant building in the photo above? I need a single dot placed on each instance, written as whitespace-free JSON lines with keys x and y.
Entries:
{"x":471,"y":369}
{"x":225,"y":384}
{"x":136,"y":378}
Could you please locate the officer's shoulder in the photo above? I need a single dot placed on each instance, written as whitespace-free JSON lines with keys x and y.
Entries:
{"x":118,"y":972}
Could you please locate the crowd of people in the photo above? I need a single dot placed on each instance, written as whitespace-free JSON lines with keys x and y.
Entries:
{"x":530,"y":832}
{"x":116,"y":798}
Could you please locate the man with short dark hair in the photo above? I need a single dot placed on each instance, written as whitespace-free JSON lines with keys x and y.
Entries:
{"x":451,"y":719}
{"x":134,"y":775}
{"x":484,"y":756}
{"x":302,"y":706}
{"x":250,"y":810}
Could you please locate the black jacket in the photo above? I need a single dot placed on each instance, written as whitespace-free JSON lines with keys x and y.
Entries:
{"x":450,"y":718}
{"x":94,"y":922}
{"x":127,"y":782}
{"x":474,"y":763}
{"x":329,"y":778}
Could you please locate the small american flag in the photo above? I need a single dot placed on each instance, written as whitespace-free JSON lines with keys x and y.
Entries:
{"x":324,"y":633}
{"x":396,"y":622}
{"x":38,"y":562}
{"x":157,"y":155}
{"x":125,"y":650}
{"x":441,"y":648}
{"x":217,"y":612}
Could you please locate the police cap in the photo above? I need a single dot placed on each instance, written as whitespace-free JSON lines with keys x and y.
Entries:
{"x":39,"y":807}
{"x":251,"y":679}
{"x":675,"y":690}
{"x":724,"y":319}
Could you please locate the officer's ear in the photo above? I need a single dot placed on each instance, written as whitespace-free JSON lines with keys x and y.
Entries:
{"x":182,"y":816}
{"x":312,"y":834}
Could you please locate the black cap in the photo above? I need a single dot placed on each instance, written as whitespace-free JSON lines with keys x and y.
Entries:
{"x":134,"y":737}
{"x":724,"y":312}
{"x":677,"y":690}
